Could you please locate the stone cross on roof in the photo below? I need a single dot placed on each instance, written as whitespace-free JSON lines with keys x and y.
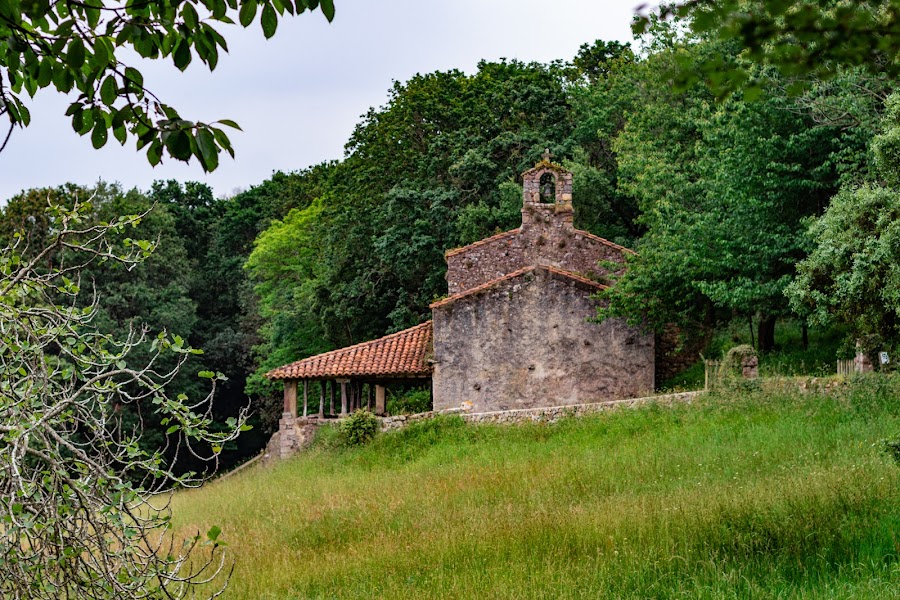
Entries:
{"x":546,"y":155}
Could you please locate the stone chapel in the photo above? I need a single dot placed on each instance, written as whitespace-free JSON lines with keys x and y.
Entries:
{"x":515,"y":330}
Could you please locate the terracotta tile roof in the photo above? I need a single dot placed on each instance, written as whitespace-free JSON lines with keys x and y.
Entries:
{"x":401,"y":354}
{"x":486,"y":240}
{"x":559,"y":273}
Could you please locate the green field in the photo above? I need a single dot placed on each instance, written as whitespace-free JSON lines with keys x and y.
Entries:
{"x":756,"y":495}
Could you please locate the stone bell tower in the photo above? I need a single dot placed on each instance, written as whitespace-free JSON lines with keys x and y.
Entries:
{"x":546,"y":237}
{"x":547,"y":195}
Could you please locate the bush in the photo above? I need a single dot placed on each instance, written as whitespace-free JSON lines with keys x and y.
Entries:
{"x":359,"y":428}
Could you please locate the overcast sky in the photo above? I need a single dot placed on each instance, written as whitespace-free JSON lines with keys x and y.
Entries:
{"x":299,"y":95}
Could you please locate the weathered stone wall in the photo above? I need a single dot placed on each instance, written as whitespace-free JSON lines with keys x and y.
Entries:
{"x":293,"y":435}
{"x":526,"y":342}
{"x":546,"y":237}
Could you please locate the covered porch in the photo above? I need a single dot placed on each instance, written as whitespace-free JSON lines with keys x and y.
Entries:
{"x":358,"y":375}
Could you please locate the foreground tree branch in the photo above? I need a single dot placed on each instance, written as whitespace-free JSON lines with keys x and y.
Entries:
{"x":83,"y":509}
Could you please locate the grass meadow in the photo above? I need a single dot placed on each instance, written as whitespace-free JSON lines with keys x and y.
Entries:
{"x":738,"y":495}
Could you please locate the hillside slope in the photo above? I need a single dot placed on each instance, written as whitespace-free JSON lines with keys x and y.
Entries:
{"x":763,"y":496}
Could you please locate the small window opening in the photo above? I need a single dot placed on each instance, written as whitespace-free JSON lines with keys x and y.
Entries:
{"x":548,"y":188}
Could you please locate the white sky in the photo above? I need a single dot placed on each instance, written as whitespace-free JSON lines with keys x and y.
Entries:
{"x":298,"y":96}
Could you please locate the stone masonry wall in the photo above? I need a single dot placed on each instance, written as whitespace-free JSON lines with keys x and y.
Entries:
{"x":526,"y":342}
{"x":546,"y":237}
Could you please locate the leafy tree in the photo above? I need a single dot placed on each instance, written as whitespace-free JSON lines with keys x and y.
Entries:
{"x":814,"y":39}
{"x":723,"y":189}
{"x":851,"y":274}
{"x":78,"y":493}
{"x":285,"y":264}
{"x":87,"y":47}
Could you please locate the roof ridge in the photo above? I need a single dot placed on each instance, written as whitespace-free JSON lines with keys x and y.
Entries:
{"x":604,"y":241}
{"x":482,"y":241}
{"x":574,"y":275}
{"x":489,"y":284}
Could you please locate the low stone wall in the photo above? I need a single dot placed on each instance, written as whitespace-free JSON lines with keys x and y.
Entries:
{"x":400,"y":421}
{"x":296,"y":434}
{"x":538,"y":415}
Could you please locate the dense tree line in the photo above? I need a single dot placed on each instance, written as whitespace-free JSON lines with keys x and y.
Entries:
{"x":719,"y":196}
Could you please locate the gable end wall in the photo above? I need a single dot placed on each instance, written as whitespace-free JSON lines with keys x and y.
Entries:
{"x":545,"y":238}
{"x":527,"y":343}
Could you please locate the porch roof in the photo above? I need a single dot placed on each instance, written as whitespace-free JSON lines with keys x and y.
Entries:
{"x":401,"y":355}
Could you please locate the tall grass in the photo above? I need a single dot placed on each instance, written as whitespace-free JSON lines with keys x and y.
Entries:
{"x":749,"y":496}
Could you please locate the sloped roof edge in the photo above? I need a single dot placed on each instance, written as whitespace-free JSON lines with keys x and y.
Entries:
{"x":482,"y":242}
{"x":401,"y":354}
{"x":574,"y":277}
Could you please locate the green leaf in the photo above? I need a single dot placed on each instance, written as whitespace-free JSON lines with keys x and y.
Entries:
{"x":247,"y":13}
{"x":230,"y":123}
{"x":99,"y":134}
{"x":206,"y":374}
{"x":135,"y":80}
{"x":269,"y":21}
{"x":208,"y":150}
{"x":328,"y":9}
{"x":102,"y":53}
{"x":109,"y":90}
{"x":154,"y":153}
{"x":189,"y":13}
{"x":121,"y":134}
{"x":178,"y":143}
{"x":182,"y":55}
{"x":219,"y":9}
{"x":45,"y":73}
{"x":75,"y":53}
{"x":214,"y":533}
{"x":78,"y":120}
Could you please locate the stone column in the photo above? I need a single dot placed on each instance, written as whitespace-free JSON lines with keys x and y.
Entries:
{"x":290,"y":397}
{"x":305,"y":395}
{"x":321,"y":399}
{"x":379,"y":400}
{"x":343,"y":383}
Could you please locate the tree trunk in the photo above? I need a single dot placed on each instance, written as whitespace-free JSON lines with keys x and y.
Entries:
{"x":766,"y":334}
{"x":805,"y":335}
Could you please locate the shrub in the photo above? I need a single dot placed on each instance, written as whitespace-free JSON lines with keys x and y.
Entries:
{"x":734,"y":359}
{"x":359,"y":428}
